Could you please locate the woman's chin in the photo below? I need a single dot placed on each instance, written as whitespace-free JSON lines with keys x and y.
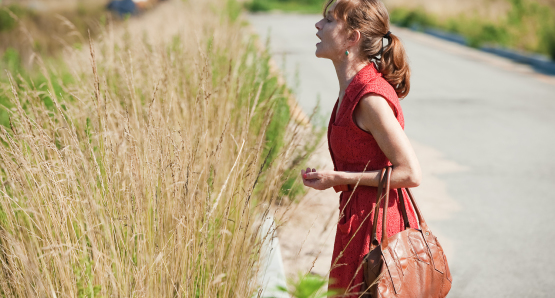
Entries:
{"x":320,"y":55}
{"x":321,"y":52}
{"x":318,"y":51}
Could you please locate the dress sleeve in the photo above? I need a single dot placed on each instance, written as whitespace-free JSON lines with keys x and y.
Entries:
{"x":385,"y":90}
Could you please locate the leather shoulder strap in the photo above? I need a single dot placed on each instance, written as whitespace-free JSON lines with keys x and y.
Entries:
{"x":383,"y":193}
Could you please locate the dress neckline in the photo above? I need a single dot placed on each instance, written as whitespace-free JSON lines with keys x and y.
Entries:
{"x":354,"y":86}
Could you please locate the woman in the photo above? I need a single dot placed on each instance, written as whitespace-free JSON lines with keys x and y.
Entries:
{"x":365,"y":132}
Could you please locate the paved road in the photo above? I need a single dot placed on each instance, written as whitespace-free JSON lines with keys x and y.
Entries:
{"x":493,"y":122}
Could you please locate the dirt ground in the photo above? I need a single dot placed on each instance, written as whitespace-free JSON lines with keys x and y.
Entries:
{"x":308,"y":228}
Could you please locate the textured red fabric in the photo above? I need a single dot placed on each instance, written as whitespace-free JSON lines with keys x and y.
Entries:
{"x":353,"y":149}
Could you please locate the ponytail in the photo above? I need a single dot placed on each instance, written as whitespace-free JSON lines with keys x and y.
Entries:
{"x":394,"y":66}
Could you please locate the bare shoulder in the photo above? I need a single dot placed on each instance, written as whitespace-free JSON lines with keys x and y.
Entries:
{"x":372,"y":105}
{"x":373,"y":113}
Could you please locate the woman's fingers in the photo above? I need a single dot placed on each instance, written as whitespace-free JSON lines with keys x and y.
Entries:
{"x":309,"y":174}
{"x":312,"y":175}
{"x":314,"y":179}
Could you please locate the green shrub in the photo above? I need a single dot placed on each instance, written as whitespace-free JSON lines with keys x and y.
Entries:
{"x":233,"y":9}
{"x":301,"y":6}
{"x":258,"y":6}
{"x":549,"y":38}
{"x":308,"y":286}
{"x":411,"y":18}
{"x":11,"y":61}
{"x":528,"y":26}
{"x":7,"y":22}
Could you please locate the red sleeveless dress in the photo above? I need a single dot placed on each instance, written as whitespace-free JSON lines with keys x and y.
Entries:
{"x":351,"y":149}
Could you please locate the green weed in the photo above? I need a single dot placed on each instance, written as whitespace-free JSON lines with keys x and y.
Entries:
{"x":300,"y":6}
{"x":308,"y":286}
{"x":412,"y":18}
{"x":7,"y":21}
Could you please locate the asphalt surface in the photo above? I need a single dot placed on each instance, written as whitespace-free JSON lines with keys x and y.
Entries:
{"x":492,"y":118}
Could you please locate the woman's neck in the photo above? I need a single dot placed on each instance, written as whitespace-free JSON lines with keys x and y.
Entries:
{"x":346,"y":70}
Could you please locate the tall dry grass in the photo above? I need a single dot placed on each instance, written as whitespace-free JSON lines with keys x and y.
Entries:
{"x":148,"y":174}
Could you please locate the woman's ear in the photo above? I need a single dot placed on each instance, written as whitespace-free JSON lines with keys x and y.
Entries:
{"x":354,"y":37}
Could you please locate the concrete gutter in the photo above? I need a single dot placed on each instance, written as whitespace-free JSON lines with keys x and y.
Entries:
{"x":272,"y":273}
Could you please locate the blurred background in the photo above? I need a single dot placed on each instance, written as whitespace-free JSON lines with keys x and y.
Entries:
{"x":479,"y":115}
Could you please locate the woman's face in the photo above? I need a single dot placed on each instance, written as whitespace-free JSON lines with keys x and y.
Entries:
{"x":332,"y":35}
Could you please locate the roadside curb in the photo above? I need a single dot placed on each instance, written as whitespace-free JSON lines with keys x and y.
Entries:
{"x":539,"y":63}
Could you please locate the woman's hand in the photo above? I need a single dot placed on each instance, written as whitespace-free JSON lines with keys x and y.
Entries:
{"x":319,"y":180}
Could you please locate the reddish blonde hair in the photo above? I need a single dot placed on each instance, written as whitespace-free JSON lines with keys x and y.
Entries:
{"x":371,"y":19}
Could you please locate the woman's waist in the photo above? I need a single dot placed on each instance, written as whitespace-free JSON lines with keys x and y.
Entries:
{"x":368,"y":192}
{"x":359,"y":192}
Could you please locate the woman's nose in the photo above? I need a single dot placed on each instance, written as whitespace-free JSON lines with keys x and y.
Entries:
{"x":317,"y":25}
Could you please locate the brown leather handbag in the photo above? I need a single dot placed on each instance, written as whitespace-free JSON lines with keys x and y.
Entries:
{"x":408,"y":264}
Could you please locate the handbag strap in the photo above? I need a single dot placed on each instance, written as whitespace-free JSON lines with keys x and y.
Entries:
{"x":373,"y":240}
{"x":385,"y":174}
{"x":384,"y":216}
{"x":403,"y":208}
{"x":384,"y":186}
{"x":421,"y":220}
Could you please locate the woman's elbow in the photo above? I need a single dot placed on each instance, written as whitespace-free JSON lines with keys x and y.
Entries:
{"x":414,"y":178}
{"x":407,"y":176}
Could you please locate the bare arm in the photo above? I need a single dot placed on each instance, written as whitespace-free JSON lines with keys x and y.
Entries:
{"x":374,"y":115}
